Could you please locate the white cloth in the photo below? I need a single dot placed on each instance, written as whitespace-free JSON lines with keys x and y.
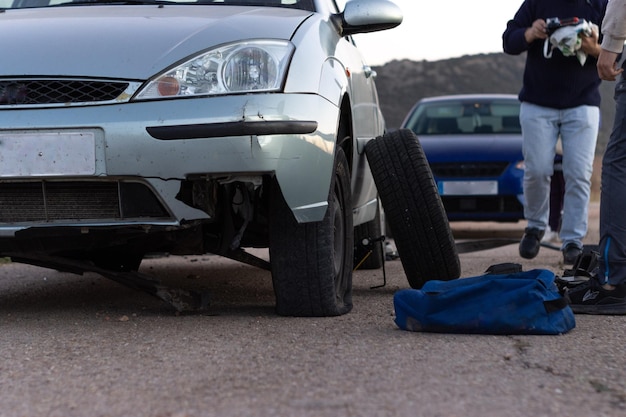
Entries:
{"x":567,"y":40}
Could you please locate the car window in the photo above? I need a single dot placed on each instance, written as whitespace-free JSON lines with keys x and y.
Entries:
{"x":297,"y":4}
{"x":466,"y":117}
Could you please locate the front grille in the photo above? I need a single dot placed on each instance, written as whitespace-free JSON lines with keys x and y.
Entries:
{"x":482,"y":204}
{"x":468,"y":169}
{"x":77,"y":201}
{"x":33,"y":92}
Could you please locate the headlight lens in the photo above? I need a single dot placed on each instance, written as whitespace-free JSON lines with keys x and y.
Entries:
{"x":242,"y":67}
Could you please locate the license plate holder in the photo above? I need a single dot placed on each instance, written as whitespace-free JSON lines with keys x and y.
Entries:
{"x":468,"y":187}
{"x":47,"y":154}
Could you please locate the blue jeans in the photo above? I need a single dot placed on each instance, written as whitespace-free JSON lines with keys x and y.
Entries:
{"x":578,"y":129}
{"x":612,"y":197}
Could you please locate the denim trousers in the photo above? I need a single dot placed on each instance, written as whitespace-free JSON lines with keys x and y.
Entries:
{"x":578,"y":129}
{"x":613,"y":197}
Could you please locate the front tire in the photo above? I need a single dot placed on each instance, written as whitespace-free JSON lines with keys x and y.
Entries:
{"x":413,"y":208}
{"x":312,"y":262}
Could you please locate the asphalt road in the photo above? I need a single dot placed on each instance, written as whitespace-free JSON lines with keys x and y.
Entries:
{"x":85,"y":346}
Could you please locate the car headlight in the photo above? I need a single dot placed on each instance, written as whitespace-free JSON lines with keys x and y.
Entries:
{"x":242,"y":67}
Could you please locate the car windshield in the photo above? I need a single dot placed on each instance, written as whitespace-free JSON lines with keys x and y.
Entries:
{"x":24,"y":4}
{"x":460,"y":117}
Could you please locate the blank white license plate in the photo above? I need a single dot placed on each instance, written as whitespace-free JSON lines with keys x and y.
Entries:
{"x":47,"y":154}
{"x":468,"y":187}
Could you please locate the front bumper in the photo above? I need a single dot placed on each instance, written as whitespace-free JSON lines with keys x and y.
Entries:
{"x":161,"y":143}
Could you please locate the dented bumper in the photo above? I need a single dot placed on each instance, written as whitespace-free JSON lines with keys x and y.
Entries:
{"x":162,"y":143}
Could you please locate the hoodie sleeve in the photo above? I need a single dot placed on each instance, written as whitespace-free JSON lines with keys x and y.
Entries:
{"x":513,"y":40}
{"x":614,"y":26}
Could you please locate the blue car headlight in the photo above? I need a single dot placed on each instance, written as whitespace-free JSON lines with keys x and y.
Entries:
{"x":241,"y":67}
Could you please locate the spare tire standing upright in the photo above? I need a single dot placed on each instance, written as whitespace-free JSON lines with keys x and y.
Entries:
{"x":413,"y":208}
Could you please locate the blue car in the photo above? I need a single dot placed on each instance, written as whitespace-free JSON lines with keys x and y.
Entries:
{"x":473,"y":144}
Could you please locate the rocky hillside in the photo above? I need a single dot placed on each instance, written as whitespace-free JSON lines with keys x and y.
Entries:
{"x":401,"y":83}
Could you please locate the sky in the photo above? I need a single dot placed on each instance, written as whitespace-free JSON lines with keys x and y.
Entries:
{"x":432,"y":30}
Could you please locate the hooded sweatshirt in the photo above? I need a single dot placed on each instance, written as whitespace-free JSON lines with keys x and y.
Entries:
{"x":558,"y":82}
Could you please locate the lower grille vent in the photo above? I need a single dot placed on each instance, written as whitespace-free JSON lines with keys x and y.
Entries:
{"x":48,"y":201}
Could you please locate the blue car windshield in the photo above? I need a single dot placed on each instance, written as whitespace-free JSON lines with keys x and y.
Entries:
{"x":25,"y":4}
{"x":460,"y":117}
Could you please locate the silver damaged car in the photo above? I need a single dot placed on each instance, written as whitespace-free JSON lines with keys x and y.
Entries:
{"x":129,"y":128}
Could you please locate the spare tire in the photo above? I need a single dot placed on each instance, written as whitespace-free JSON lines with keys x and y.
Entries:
{"x":413,"y":208}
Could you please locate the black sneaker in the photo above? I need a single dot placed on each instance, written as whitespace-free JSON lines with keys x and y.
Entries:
{"x":591,"y":298}
{"x":571,"y":252}
{"x":531,"y":242}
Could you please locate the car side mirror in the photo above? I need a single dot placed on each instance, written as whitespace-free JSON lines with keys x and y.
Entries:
{"x":363,"y":16}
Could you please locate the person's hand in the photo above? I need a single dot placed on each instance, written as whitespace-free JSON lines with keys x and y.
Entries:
{"x":607,"y":65}
{"x":589,"y":44}
{"x":536,"y":31}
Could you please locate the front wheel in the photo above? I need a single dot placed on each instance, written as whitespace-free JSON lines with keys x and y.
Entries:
{"x":413,"y":208}
{"x":312,"y":262}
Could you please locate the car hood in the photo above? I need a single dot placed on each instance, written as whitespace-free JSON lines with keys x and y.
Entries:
{"x":472,"y":147}
{"x":130,"y":42}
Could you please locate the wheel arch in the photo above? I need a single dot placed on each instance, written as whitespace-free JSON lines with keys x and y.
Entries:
{"x":345,"y":130}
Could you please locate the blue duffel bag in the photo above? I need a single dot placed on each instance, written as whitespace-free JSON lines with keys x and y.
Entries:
{"x":524,"y":302}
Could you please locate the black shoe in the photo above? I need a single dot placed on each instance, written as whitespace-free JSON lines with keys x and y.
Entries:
{"x":571,"y":252}
{"x":531,"y":242}
{"x":591,"y":298}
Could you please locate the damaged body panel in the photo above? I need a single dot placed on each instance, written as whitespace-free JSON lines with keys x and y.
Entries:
{"x":139,"y":141}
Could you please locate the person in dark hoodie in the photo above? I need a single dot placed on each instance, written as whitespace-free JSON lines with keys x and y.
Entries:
{"x":559,"y":97}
